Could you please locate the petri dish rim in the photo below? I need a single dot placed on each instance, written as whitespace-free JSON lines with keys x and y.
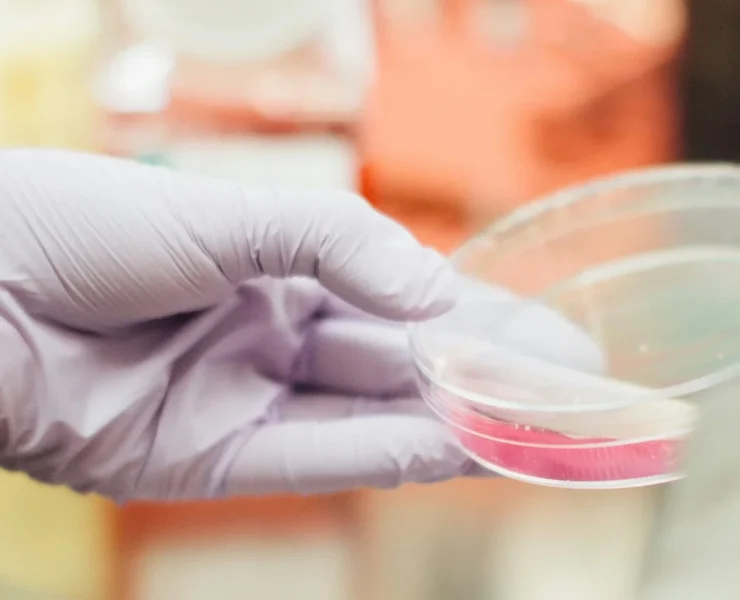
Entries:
{"x":579,"y":443}
{"x":575,"y":193}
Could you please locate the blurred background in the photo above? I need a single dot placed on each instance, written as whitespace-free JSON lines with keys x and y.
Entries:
{"x":445,"y":114}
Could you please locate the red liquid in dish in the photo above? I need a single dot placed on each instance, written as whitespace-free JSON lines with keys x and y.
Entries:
{"x":545,"y":454}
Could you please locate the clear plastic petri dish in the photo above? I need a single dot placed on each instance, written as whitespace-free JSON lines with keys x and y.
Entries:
{"x":590,"y":328}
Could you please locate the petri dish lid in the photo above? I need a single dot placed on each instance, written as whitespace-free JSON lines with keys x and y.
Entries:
{"x":563,"y":305}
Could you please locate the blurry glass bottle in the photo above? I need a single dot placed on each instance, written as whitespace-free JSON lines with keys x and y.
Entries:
{"x":46,"y":54}
{"x":220,"y":84}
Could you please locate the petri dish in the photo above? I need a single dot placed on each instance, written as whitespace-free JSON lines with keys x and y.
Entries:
{"x":590,"y":327}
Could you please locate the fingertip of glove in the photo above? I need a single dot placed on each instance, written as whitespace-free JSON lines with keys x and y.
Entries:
{"x":419,"y":284}
{"x":433,"y":290}
{"x":377,"y":265}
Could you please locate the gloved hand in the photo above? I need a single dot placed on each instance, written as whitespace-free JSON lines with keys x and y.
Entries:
{"x":169,"y":336}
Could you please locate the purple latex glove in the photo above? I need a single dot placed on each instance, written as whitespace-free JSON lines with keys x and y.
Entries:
{"x":145,"y":352}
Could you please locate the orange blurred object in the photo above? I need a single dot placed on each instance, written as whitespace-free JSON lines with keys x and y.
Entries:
{"x":477,"y":120}
{"x":301,"y":91}
{"x":141,"y":528}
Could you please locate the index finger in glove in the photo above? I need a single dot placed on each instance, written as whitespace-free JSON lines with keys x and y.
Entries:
{"x":97,"y":242}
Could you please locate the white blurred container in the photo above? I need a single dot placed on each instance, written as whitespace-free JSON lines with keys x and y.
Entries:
{"x":249,"y":89}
